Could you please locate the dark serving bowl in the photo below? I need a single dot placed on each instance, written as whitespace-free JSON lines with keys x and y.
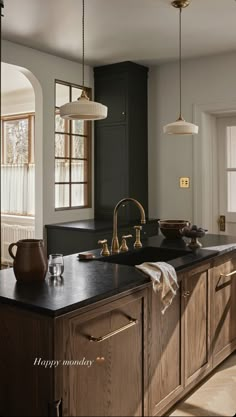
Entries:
{"x":171,"y":229}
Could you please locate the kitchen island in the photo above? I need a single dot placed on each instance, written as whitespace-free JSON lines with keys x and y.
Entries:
{"x":67,"y":343}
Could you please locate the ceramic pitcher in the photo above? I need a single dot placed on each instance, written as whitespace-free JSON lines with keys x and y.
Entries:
{"x":30,"y":262}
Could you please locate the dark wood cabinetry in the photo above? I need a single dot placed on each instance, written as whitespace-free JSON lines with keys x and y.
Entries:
{"x":121,"y":160}
{"x":26,"y":384}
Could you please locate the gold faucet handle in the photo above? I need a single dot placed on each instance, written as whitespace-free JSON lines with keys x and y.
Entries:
{"x":105,"y":251}
{"x":124,"y":247}
{"x":137,"y":243}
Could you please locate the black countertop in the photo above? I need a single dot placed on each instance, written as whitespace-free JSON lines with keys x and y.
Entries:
{"x":93,"y":225}
{"x":85,"y":282}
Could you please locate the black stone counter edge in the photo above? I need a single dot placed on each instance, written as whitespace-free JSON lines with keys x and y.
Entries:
{"x":25,"y":300}
{"x":180,"y":264}
{"x":100,"y":299}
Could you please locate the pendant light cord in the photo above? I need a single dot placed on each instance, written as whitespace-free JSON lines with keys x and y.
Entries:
{"x":83,"y":44}
{"x":180,"y":64}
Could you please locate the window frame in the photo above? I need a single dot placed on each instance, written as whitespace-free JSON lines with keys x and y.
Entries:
{"x":68,"y":153}
{"x":31,"y":137}
{"x":31,"y":149}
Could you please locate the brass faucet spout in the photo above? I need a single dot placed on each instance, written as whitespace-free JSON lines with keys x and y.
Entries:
{"x":115,"y":241}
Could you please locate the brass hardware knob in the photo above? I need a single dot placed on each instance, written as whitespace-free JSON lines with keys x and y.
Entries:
{"x":123,"y":113}
{"x":105,"y":251}
{"x":137,"y":243}
{"x":124,"y":247}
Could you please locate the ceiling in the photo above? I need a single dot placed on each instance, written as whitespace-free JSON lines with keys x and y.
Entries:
{"x":13,"y":80}
{"x":144,"y":31}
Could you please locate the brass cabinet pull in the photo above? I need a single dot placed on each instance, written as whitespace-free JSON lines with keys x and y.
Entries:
{"x":132,"y":322}
{"x":55,"y":408}
{"x":228,"y":275}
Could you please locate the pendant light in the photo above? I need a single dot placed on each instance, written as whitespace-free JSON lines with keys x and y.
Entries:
{"x":180,"y":127}
{"x":83,"y":108}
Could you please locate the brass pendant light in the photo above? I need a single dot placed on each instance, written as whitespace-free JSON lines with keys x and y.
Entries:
{"x":180,"y":127}
{"x":83,"y":108}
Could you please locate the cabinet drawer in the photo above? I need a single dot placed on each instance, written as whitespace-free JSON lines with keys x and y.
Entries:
{"x":109,"y":341}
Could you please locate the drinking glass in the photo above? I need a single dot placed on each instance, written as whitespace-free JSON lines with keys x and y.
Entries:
{"x":56,"y":264}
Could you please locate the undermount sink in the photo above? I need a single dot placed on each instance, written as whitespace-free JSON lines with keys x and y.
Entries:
{"x":146,"y":254}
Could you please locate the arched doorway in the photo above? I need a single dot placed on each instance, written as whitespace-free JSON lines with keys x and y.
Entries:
{"x":18,"y":165}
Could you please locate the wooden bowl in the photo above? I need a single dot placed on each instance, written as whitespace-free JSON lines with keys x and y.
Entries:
{"x":171,"y":229}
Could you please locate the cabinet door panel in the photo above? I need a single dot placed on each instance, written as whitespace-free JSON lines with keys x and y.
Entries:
{"x":112,"y":92}
{"x":196,"y":312}
{"x":165,"y":370}
{"x":224,"y":311}
{"x":111,"y":169}
{"x":26,"y":340}
{"x":113,"y":384}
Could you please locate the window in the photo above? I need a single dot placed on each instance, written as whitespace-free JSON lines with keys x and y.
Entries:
{"x":231,"y":168}
{"x":18,"y":143}
{"x":72,"y":153}
{"x":17,"y":167}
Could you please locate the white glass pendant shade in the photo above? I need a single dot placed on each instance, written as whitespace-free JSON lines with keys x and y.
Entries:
{"x":83,"y":109}
{"x":180,"y":127}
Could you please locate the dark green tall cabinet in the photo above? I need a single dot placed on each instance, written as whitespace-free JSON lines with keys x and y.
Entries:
{"x":121,"y":154}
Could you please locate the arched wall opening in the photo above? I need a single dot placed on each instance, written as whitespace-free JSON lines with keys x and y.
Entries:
{"x":21,"y":107}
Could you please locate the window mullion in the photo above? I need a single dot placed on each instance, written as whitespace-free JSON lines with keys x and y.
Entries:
{"x":80,"y":196}
{"x":70,"y":154}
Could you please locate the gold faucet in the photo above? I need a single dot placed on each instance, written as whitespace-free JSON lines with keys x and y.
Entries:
{"x":115,"y":241}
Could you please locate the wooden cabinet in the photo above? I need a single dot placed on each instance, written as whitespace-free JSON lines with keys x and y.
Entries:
{"x":166,"y":373}
{"x":196,"y":310}
{"x":113,"y":385}
{"x":180,"y":340}
{"x":223,"y":331}
{"x":26,"y":384}
{"x":196,"y":333}
{"x":121,"y":160}
{"x":90,"y":364}
{"x":123,"y":356}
